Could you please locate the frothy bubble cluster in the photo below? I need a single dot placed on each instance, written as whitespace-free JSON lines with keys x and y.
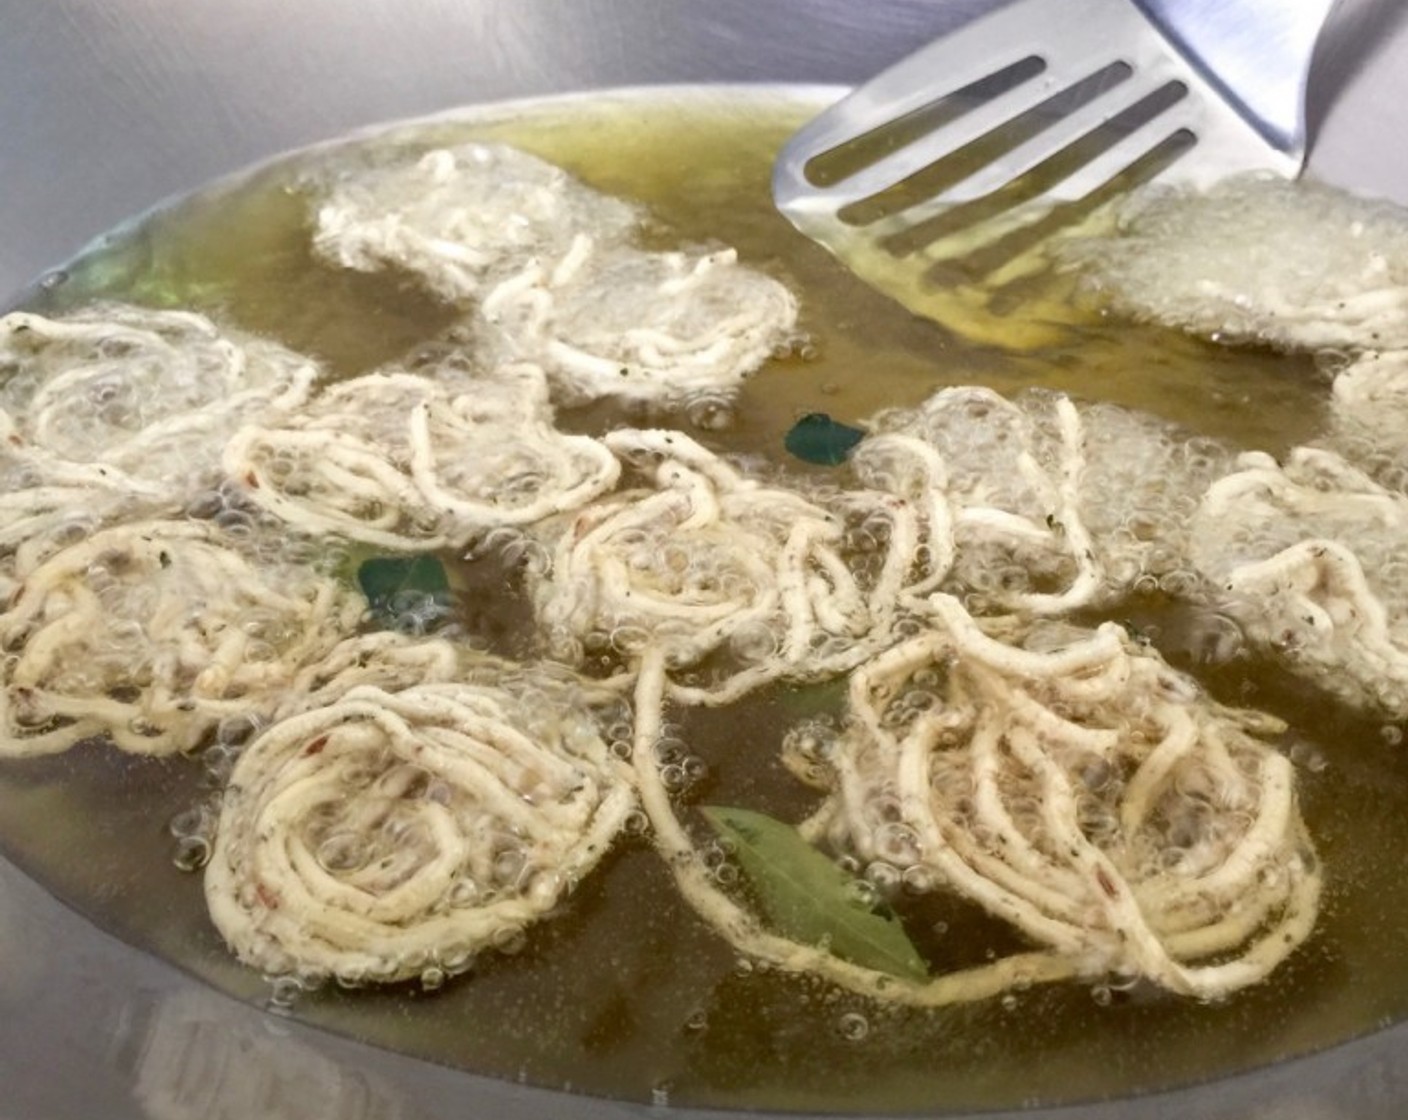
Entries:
{"x":456,"y":217}
{"x":382,"y":807}
{"x":387,"y":836}
{"x":667,"y":328}
{"x":150,"y":633}
{"x":707,"y":563}
{"x":384,"y":659}
{"x":38,"y":520}
{"x":1369,"y":417}
{"x":1258,"y":259}
{"x":1055,"y":506}
{"x":405,"y":461}
{"x":121,"y":396}
{"x":1309,"y":556}
{"x":551,"y":274}
{"x":1075,"y":786}
{"x":1302,"y":554}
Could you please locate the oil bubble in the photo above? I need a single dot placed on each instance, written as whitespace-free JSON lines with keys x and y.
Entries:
{"x":432,"y":979}
{"x":853,"y":1026}
{"x":235,"y":730}
{"x":283,"y":994}
{"x":188,"y":822}
{"x":342,"y":852}
{"x":885,"y":877}
{"x":192,"y":853}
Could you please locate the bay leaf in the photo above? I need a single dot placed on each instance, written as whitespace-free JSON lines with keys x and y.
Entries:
{"x":808,"y":898}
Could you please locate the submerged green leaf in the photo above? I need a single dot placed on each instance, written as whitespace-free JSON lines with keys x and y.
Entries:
{"x":408,"y":593}
{"x":816,"y":438}
{"x":808,"y":898}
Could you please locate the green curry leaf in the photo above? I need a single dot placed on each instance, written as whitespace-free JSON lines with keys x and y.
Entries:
{"x":408,"y":593}
{"x":816,"y":438}
{"x":808,"y":898}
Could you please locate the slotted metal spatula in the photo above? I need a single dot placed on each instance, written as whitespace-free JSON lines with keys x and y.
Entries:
{"x":947,"y":169}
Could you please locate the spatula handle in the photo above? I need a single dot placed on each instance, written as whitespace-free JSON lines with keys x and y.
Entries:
{"x":1257,"y":52}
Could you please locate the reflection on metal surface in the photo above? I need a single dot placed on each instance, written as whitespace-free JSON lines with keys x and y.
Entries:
{"x":1235,"y":42}
{"x":195,"y":1060}
{"x":94,"y":1029}
{"x":167,"y":96}
{"x":19,"y":930}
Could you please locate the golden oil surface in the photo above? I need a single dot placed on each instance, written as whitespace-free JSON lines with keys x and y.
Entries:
{"x":626,"y":993}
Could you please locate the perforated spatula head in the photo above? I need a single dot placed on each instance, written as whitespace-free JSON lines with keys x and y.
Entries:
{"x":951,"y":166}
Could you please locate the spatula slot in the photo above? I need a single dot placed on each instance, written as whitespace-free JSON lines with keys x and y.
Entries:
{"x":867,"y":148}
{"x":1019,"y":184}
{"x":973,"y":260}
{"x":955,"y":167}
{"x":1004,"y":138}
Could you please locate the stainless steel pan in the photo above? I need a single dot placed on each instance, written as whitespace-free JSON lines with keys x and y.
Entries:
{"x":107,"y":106}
